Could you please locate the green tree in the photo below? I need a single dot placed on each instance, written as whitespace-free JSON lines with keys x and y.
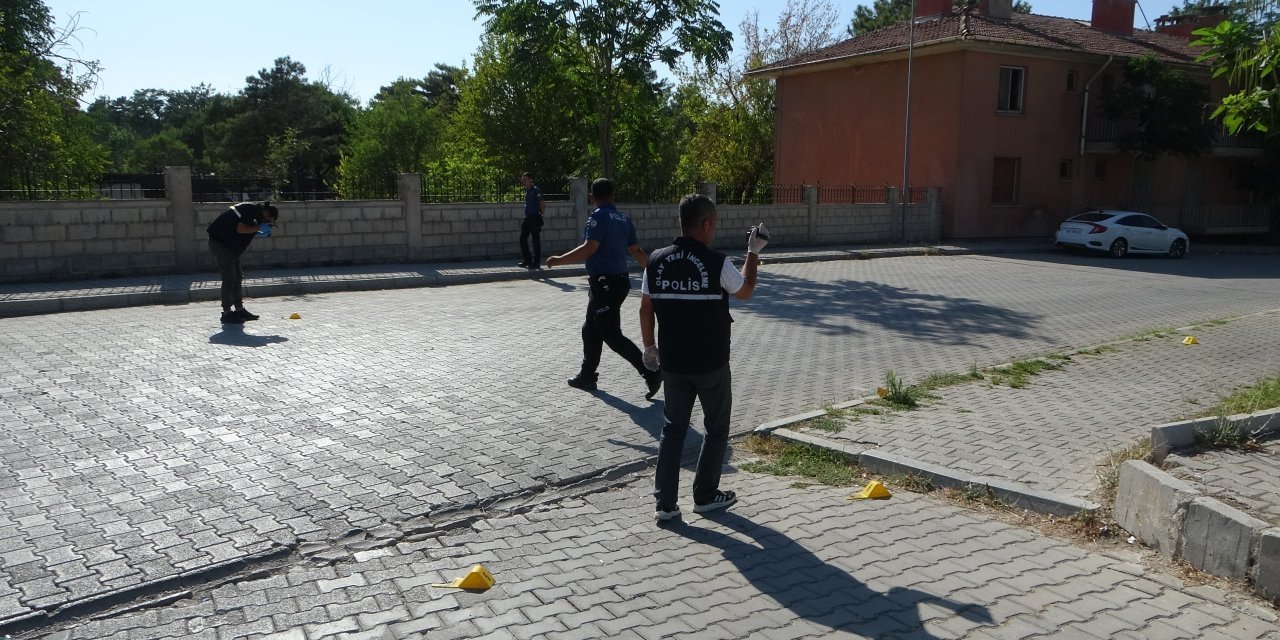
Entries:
{"x":272,"y":102}
{"x":153,"y":154}
{"x":883,"y":13}
{"x":401,"y":131}
{"x":42,"y":130}
{"x":1166,"y":106}
{"x":1247,"y":55}
{"x":613,"y":44}
{"x":520,"y":110}
{"x":731,"y":142}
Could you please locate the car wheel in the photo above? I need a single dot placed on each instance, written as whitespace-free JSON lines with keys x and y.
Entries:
{"x":1178,"y":248}
{"x":1119,"y":248}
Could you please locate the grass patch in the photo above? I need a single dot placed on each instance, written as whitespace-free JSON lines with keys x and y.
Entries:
{"x":832,"y":422}
{"x":1226,"y":434}
{"x":794,"y":459}
{"x":1264,"y":394}
{"x":942,"y":380}
{"x":1158,"y":332}
{"x":1109,"y":468}
{"x":910,"y":482}
{"x":1096,"y":351}
{"x":1017,"y":375}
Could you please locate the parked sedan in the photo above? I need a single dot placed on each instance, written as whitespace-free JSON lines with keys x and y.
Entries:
{"x":1121,"y":232}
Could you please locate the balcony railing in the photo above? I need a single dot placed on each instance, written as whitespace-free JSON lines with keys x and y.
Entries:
{"x":1102,"y":134}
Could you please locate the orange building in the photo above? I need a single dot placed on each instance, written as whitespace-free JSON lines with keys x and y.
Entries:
{"x":1005,"y":118}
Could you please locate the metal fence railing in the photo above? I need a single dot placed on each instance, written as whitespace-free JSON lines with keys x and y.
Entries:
{"x":853,"y":194}
{"x":652,"y":192}
{"x":452,"y":189}
{"x":27,"y":186}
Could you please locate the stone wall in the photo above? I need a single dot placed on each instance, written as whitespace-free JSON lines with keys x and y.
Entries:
{"x":116,"y":238}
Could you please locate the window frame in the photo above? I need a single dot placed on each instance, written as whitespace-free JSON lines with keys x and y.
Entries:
{"x":1016,"y":186}
{"x":1070,"y":174}
{"x":1005,"y":93}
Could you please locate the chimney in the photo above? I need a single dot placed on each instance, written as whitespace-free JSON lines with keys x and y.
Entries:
{"x":1113,"y":16}
{"x":998,"y":9}
{"x":1183,"y":24}
{"x":931,"y":8}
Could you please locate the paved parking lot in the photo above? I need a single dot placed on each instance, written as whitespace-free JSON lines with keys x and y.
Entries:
{"x":145,"y":443}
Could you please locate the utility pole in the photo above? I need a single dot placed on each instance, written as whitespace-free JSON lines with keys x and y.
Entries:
{"x":904,"y":195}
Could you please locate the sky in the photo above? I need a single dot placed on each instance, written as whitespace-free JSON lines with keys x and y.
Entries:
{"x":354,"y":46}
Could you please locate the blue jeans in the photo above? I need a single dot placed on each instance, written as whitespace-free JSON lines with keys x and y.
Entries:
{"x":715,"y":391}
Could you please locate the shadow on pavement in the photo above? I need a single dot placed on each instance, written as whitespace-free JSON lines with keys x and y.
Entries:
{"x":839,"y":307}
{"x":647,"y":416}
{"x":816,"y":591}
{"x":234,"y":335}
{"x":1194,"y":265}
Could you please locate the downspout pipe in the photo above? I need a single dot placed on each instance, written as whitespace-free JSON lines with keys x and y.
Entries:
{"x":1084,"y":110}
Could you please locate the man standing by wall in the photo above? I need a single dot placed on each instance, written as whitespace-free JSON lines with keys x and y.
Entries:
{"x":229,"y":235}
{"x":531,"y":227}
{"x":687,"y":287}
{"x":608,"y":238}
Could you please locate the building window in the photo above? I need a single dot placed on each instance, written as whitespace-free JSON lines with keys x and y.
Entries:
{"x":1100,"y":170}
{"x":1011,"y":85}
{"x":1073,"y":80}
{"x":1004,"y":180}
{"x":1066,"y":170}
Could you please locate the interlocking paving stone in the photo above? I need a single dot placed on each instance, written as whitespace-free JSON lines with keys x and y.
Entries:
{"x":153,"y":443}
{"x":1247,"y":480}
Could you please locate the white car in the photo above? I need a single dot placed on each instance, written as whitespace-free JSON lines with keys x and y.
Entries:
{"x":1120,"y":233}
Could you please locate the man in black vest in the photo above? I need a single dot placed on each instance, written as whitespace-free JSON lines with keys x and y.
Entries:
{"x":687,"y":287}
{"x":229,"y":235}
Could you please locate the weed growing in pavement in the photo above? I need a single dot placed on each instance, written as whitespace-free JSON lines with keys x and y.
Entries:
{"x":975,"y":493}
{"x":1017,"y":375}
{"x":1144,"y":336}
{"x":1225,"y":433}
{"x":912,"y":482}
{"x":1096,"y":351}
{"x":900,"y":395}
{"x":795,"y":459}
{"x":941,"y":380}
{"x":832,"y":422}
{"x":1264,"y":394}
{"x":1109,"y":468}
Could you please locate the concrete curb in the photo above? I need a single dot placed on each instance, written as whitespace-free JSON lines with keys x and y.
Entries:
{"x":1172,"y":436}
{"x":186,"y":290}
{"x":1175,"y":519}
{"x":881,"y":462}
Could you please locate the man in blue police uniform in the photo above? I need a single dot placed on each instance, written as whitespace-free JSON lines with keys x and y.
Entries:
{"x":687,"y":287}
{"x":229,"y":235}
{"x":608,"y":238}
{"x":531,"y":227}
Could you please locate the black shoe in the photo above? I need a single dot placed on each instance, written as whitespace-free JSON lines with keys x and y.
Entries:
{"x":534,"y":267}
{"x":653,"y":379}
{"x":229,"y":317}
{"x":523,"y":264}
{"x":722,"y":500}
{"x":244,"y":314}
{"x":586,"y":383}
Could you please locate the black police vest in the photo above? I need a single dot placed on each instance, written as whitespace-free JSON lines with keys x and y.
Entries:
{"x":692,"y":308}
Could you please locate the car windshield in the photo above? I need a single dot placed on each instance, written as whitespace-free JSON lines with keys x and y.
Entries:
{"x":1092,"y":216}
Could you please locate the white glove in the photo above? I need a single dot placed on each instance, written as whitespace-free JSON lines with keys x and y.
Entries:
{"x":651,"y":358}
{"x":758,"y":239}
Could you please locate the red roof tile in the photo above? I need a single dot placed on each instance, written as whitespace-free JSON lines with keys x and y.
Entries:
{"x":1046,"y":32}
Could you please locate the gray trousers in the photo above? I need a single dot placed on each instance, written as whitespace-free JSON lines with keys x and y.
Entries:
{"x":715,"y":391}
{"x":229,"y":269}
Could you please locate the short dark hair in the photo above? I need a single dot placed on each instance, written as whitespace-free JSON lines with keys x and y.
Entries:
{"x":694,"y":208}
{"x":602,"y":188}
{"x":270,"y":209}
